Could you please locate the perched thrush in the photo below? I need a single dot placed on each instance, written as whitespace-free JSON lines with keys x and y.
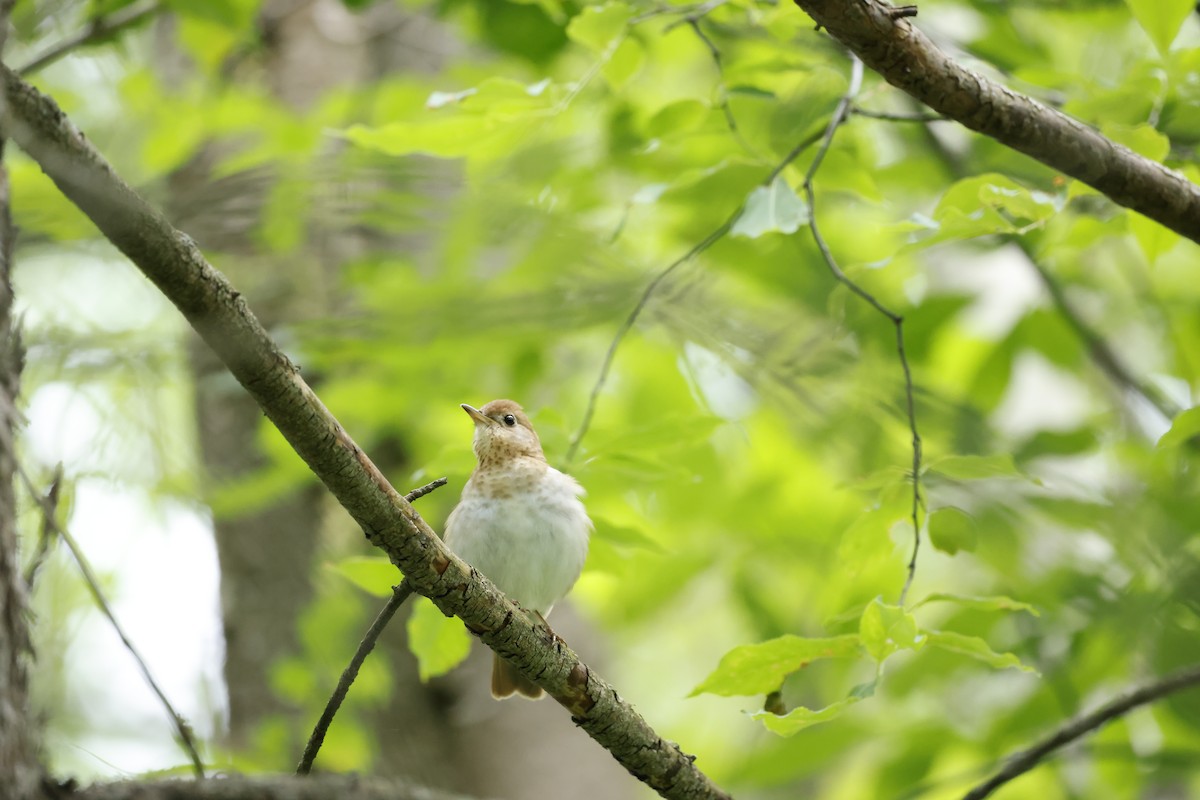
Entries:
{"x":520,"y":522}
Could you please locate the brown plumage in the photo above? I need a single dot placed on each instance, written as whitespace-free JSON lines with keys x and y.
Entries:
{"x":520,"y":522}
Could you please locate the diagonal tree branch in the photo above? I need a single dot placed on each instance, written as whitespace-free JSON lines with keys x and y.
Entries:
{"x":99,"y":29}
{"x":907,"y":59}
{"x":1020,"y":763}
{"x":220,"y":315}
{"x":236,"y":787}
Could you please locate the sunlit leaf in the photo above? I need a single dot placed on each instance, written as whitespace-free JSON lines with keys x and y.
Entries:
{"x":771,"y":209}
{"x":440,"y":643}
{"x":952,"y":529}
{"x":676,"y":118}
{"x":1185,"y":426}
{"x":974,"y":468}
{"x":974,"y":647}
{"x":624,"y":63}
{"x":800,"y":717}
{"x":885,"y":628}
{"x":597,"y":27}
{"x":1142,"y":139}
{"x":1161,"y":19}
{"x":374,"y":574}
{"x":622,"y":535}
{"x":995,"y":603}
{"x":760,"y":668}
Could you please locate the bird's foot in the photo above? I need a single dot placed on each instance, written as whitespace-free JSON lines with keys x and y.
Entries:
{"x":547,"y":631}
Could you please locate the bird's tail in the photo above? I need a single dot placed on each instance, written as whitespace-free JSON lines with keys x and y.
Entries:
{"x":506,"y":680}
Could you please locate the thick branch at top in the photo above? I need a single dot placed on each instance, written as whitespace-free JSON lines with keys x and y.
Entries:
{"x":907,"y":59}
{"x":220,"y":315}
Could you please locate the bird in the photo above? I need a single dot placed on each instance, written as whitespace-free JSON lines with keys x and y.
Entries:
{"x":520,"y":522}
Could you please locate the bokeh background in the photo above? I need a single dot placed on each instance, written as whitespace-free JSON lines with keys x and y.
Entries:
{"x":431,"y":203}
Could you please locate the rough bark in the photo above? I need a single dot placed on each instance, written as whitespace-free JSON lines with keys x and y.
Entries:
{"x":348,"y":787}
{"x":220,"y":315}
{"x":898,"y":50}
{"x":20,"y":772}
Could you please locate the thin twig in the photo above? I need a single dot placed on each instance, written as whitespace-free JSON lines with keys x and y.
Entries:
{"x":695,"y":14}
{"x":399,"y":595}
{"x":627,"y":325}
{"x":98,"y":28}
{"x":839,"y":116}
{"x":1020,"y":763}
{"x":1102,"y":354}
{"x":182,"y":728}
{"x":899,"y":117}
{"x":726,"y":110}
{"x":665,"y":10}
{"x":417,"y":494}
{"x":46,"y":537}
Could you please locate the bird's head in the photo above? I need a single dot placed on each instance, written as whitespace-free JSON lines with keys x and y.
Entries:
{"x":502,"y":431}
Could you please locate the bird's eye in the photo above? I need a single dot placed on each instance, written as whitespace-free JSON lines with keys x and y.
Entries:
{"x":510,"y":420}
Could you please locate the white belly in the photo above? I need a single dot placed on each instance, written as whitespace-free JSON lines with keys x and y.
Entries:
{"x":532,"y":545}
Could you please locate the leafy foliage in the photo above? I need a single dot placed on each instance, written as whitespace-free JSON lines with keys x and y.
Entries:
{"x":748,"y":464}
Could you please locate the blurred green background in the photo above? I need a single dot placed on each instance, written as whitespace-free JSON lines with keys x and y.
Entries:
{"x":432,"y":203}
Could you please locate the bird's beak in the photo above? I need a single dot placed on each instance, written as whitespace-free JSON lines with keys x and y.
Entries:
{"x":477,"y":415}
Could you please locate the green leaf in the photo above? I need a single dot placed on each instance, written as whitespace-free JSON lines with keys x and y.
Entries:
{"x":623,"y":535}
{"x":624,"y":63}
{"x":1183,"y":427}
{"x":974,"y":647}
{"x":800,"y":717}
{"x":885,"y":628}
{"x":234,"y":14}
{"x":994,"y":603}
{"x":761,"y":668}
{"x":374,"y":574}
{"x":1161,"y":19}
{"x":675,"y":118}
{"x":499,"y":97}
{"x":597,"y":27}
{"x":952,"y":529}
{"x":446,"y":137}
{"x":1142,"y":139}
{"x":986,"y":204}
{"x":974,"y":468}
{"x":771,"y":209}
{"x":440,"y":643}
{"x":1153,"y":239}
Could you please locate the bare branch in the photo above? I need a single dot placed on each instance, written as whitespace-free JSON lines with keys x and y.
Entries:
{"x":236,"y":787}
{"x":182,"y":728}
{"x":399,"y":595}
{"x":891,"y":117}
{"x":1020,"y":763}
{"x":417,"y":494}
{"x":98,"y":29}
{"x":46,"y":536}
{"x":220,"y":315}
{"x":840,"y":114}
{"x":907,"y":59}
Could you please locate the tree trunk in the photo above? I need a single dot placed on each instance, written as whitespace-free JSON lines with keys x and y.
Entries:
{"x":19,"y":770}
